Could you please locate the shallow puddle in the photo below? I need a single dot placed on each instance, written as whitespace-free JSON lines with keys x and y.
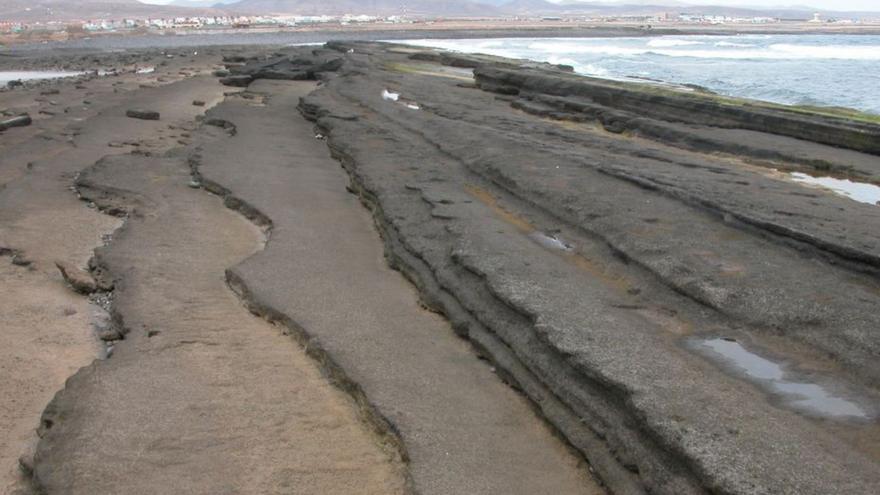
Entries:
{"x":857,"y":191}
{"x":6,"y":76}
{"x":808,"y":397}
{"x":549,"y":241}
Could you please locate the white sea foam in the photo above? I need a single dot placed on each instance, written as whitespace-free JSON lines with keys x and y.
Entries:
{"x":838,"y":70}
{"x":863,"y":52}
{"x":779,"y":51}
{"x":5,"y":76}
{"x":666,"y":42}
{"x":734,"y":44}
{"x":592,"y":70}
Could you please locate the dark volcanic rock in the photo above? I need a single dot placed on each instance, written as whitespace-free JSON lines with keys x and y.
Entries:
{"x":295,"y":67}
{"x":690,"y":108}
{"x":20,"y":121}
{"x":241,"y":81}
{"x":142,"y":114}
{"x":590,"y":265}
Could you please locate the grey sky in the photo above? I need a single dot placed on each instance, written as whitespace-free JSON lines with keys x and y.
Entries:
{"x":869,"y":5}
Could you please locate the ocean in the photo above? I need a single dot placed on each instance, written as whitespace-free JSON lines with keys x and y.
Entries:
{"x":6,"y":76}
{"x":826,"y":70}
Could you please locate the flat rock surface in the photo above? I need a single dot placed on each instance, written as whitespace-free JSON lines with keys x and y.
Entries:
{"x":639,"y":281}
{"x":588,"y":291}
{"x":464,"y":430}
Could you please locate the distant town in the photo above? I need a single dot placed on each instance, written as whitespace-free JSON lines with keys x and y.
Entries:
{"x":269,"y":22}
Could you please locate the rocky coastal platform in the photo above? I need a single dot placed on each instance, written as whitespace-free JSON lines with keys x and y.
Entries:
{"x":635,"y":258}
{"x":608,"y":286}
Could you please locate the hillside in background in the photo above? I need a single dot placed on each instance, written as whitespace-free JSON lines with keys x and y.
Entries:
{"x":66,"y":10}
{"x":369,"y":7}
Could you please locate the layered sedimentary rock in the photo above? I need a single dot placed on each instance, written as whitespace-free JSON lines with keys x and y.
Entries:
{"x":634,"y":259}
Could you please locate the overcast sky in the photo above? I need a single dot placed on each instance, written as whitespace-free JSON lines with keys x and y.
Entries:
{"x":870,"y":5}
{"x":821,"y":4}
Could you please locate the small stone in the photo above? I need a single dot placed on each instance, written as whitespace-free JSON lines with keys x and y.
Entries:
{"x":18,"y":259}
{"x":142,"y":114}
{"x":81,"y":281}
{"x":198,"y":103}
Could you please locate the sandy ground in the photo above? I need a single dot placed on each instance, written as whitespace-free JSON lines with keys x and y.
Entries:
{"x":47,"y":330}
{"x":46,"y":337}
{"x":202,"y":396}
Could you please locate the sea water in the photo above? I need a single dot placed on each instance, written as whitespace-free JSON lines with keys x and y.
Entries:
{"x":6,"y":76}
{"x":825,"y":70}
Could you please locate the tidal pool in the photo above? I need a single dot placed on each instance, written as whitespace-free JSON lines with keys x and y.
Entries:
{"x":770,"y":375}
{"x":857,"y":191}
{"x":549,"y":241}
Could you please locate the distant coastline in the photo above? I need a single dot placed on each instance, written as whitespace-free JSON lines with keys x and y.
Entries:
{"x":438,"y":30}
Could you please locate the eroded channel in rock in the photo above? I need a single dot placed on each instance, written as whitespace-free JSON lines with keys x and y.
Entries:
{"x":196,"y":369}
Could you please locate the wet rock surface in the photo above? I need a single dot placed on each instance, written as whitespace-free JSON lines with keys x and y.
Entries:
{"x":642,"y":246}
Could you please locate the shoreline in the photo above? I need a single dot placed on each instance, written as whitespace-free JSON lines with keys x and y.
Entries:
{"x":452,"y":31}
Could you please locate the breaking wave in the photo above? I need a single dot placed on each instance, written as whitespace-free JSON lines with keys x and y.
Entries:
{"x":834,"y":70}
{"x":779,"y":51}
{"x":666,"y":42}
